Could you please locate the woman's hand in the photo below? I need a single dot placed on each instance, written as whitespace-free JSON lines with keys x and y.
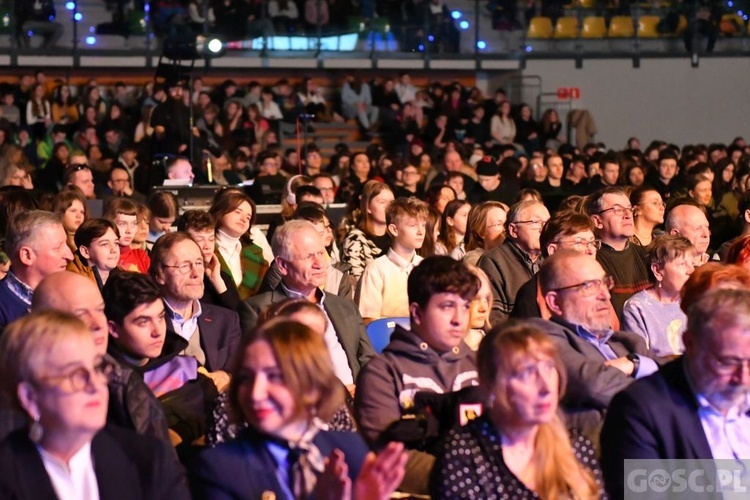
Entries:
{"x":213,"y":273}
{"x":382,"y":473}
{"x":334,"y":482}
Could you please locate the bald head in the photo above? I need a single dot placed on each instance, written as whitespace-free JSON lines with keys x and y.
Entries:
{"x":691,"y":222}
{"x":75,"y":294}
{"x":453,"y":161}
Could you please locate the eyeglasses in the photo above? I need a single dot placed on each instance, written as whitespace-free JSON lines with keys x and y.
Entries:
{"x":75,"y":167}
{"x":728,"y":366}
{"x":496,"y":224}
{"x":581,"y":244}
{"x":618,"y":210}
{"x":590,"y":287}
{"x":533,"y":224}
{"x":186,"y":267}
{"x":80,"y":378}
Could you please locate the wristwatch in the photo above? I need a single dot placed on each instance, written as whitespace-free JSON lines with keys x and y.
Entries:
{"x":636,"y":363}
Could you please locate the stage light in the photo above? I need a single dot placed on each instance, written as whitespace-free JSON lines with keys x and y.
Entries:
{"x":456,"y":14}
{"x":78,"y":16}
{"x":90,"y":40}
{"x":214,"y":45}
{"x":70,"y":5}
{"x":481,"y":45}
{"x":190,"y":47}
{"x":464,"y":25}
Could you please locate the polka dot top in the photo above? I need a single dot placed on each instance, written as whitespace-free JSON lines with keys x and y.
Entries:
{"x":470,"y":465}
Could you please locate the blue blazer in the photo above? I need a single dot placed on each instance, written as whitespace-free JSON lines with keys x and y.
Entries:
{"x":244,"y":468}
{"x":128,"y":466}
{"x":656,"y":417}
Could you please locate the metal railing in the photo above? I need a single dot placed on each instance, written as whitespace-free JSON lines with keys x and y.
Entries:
{"x":465,"y":30}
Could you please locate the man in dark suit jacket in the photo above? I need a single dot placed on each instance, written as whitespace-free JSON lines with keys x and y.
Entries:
{"x":599,"y":362}
{"x":212,"y":332}
{"x":665,"y":416}
{"x":301,"y":260}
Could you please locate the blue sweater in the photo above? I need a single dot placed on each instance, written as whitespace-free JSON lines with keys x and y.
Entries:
{"x":11,"y":307}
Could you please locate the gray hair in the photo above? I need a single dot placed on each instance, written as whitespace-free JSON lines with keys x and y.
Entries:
{"x":718,"y":310}
{"x":24,"y":226}
{"x":284,"y":236}
{"x":514,"y":214}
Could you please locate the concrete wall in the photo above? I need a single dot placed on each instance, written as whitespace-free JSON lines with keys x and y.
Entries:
{"x":663,"y":99}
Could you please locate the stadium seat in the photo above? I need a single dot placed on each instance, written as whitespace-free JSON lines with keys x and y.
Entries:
{"x":681,"y":25}
{"x":540,"y":28}
{"x":381,"y":329}
{"x":584,"y":4}
{"x":593,"y":27}
{"x":732,"y":24}
{"x":621,"y":27}
{"x":647,"y":26}
{"x":566,"y":27}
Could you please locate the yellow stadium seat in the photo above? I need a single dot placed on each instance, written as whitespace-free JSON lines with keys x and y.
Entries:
{"x":647,"y":26}
{"x":621,"y":27}
{"x":681,"y":25}
{"x":584,"y":4}
{"x":566,"y":27}
{"x":593,"y":27}
{"x":540,"y":27}
{"x":731,"y":24}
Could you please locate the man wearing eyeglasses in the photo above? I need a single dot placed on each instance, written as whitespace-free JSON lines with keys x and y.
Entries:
{"x":695,"y":407}
{"x":568,"y":230}
{"x":612,"y":214}
{"x":212,"y":332}
{"x":598,"y":360}
{"x":80,"y":176}
{"x":517,"y":259}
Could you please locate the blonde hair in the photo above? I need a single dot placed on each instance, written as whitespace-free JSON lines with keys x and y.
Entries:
{"x":26,"y":344}
{"x":483,"y":279}
{"x":558,"y":472}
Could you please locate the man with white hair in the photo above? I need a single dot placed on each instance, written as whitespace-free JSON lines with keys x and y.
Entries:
{"x":301,"y":259}
{"x":689,"y":219}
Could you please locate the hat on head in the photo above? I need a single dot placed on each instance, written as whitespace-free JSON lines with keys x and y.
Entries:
{"x":487,"y":166}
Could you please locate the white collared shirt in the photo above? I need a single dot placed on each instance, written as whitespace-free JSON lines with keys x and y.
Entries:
{"x":186,"y":328}
{"x":230,"y":249}
{"x":75,"y":480}
{"x":338,"y":355}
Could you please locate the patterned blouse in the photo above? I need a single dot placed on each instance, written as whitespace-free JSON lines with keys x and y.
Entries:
{"x":222,"y":429}
{"x":359,"y":250}
{"x":470,"y":465}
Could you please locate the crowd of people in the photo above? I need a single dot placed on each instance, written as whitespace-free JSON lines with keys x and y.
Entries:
{"x":560,"y":309}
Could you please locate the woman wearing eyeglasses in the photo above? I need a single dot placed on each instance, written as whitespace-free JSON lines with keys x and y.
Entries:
{"x":49,"y":368}
{"x":519,"y":447}
{"x":655,"y":313}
